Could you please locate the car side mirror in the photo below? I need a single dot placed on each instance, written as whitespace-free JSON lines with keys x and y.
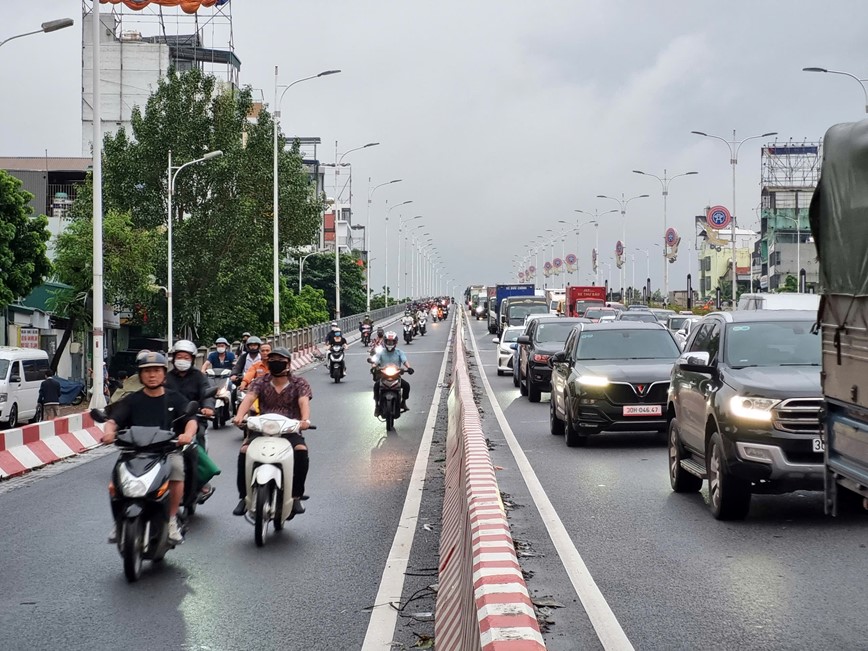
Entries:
{"x":14,"y":378}
{"x":697,"y":362}
{"x":524,"y":340}
{"x":513,"y":346}
{"x":495,"y":340}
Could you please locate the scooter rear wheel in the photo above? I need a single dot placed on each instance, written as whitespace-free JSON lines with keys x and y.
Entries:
{"x":260,"y":524}
{"x":132,"y":549}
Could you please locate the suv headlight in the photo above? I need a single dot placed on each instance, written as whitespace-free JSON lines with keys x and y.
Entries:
{"x":593,"y":381}
{"x":752,"y":408}
{"x":3,"y":397}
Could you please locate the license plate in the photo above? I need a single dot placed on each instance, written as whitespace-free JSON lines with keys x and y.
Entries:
{"x":643,"y":410}
{"x":819,"y":446}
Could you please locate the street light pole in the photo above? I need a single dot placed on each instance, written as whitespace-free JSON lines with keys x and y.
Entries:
{"x":622,"y":203}
{"x":173,"y":174}
{"x":368,"y":240}
{"x":846,"y":74}
{"x":97,"y":400}
{"x":53,"y":26}
{"x":734,"y":146}
{"x":401,"y":222}
{"x":386,"y":266}
{"x":276,"y":194}
{"x":664,"y":183}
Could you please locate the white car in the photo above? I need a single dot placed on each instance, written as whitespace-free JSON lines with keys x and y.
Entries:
{"x":683,"y":333}
{"x":505,"y":352}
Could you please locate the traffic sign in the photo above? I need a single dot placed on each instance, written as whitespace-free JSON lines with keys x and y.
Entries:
{"x":619,"y":248}
{"x":571,"y":259}
{"x":718,"y":217}
{"x":671,"y":236}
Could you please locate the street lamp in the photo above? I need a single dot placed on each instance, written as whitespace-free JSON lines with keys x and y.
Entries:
{"x":339,"y":162}
{"x":386,"y":266}
{"x":47,"y":27}
{"x":846,"y":74}
{"x":596,"y":222}
{"x":401,"y":222}
{"x":173,"y":174}
{"x":664,"y":182}
{"x":647,"y":263}
{"x":276,"y":198}
{"x":367,"y":238}
{"x":734,"y":145}
{"x":622,"y":203}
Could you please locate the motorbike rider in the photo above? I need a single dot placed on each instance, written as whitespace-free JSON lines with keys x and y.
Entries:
{"x":278,"y":392}
{"x":366,"y":321}
{"x":156,"y":406}
{"x":378,"y":340}
{"x":391,"y":355}
{"x":336,"y":338}
{"x":259,"y":369}
{"x":407,"y":319}
{"x":222,"y":357}
{"x":243,"y":345}
{"x":247,"y":359}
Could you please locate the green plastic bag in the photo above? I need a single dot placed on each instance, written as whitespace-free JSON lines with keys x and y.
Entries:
{"x":207,"y":468}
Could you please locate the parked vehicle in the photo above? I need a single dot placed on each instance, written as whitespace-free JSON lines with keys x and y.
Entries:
{"x":611,"y":377}
{"x":580,"y":299}
{"x":22,"y":370}
{"x":542,"y":339}
{"x":744,"y":409}
{"x":515,"y":310}
{"x":506,"y":349}
{"x":782,"y":301}
{"x":838,"y":226}
{"x":502,"y":292}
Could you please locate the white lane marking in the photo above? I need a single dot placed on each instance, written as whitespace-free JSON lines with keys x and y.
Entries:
{"x":384,"y":618}
{"x":608,"y":629}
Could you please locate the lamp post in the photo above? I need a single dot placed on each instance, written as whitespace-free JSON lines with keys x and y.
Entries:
{"x":368,"y":240}
{"x":301,"y":266}
{"x":53,"y":26}
{"x":173,"y":174}
{"x":647,"y":260}
{"x":339,"y":162}
{"x":276,"y":197}
{"x":734,"y":145}
{"x":97,"y":400}
{"x":622,"y":203}
{"x":389,"y":212}
{"x":846,"y":74}
{"x":596,"y":222}
{"x":664,"y":183}
{"x":401,"y":222}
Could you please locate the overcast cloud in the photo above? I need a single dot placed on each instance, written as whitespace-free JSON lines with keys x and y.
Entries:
{"x":504,"y":116}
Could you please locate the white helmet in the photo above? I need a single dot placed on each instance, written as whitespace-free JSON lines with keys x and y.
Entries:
{"x":185,"y":346}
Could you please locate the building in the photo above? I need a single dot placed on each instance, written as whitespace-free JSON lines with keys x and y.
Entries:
{"x":789,"y":175}
{"x":714,"y":250}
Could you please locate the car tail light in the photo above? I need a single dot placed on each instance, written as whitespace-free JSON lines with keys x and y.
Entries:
{"x":542,"y":359}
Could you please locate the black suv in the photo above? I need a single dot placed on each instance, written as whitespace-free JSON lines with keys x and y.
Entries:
{"x":744,"y":408}
{"x":542,"y":339}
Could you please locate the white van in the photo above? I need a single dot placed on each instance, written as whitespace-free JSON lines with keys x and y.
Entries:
{"x":21,"y":372}
{"x":782,"y":301}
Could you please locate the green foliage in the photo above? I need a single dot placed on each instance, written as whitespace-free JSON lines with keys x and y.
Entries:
{"x":319,"y":273}
{"x":23,"y":261}
{"x":791,"y":284}
{"x":300,"y":310}
{"x":379,"y":300}
{"x":222,"y":209}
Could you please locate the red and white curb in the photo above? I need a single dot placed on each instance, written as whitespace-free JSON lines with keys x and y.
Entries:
{"x":482,"y":602}
{"x":40,"y":444}
{"x":302,"y":358}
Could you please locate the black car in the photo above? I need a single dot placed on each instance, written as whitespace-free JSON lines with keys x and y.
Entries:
{"x":611,"y":377}
{"x":542,"y":339}
{"x":744,"y":408}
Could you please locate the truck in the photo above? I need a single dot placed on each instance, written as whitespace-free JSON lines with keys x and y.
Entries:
{"x":501,"y":292}
{"x":581,"y":298}
{"x":555,"y":297}
{"x":471,"y":295}
{"x":839,"y":224}
{"x":514,"y":310}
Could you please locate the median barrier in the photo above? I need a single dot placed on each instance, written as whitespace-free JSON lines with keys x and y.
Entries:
{"x":33,"y":446}
{"x":482,"y":600}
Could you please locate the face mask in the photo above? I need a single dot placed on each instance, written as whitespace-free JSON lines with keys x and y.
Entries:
{"x":183,"y":364}
{"x":253,"y":352}
{"x":277,"y":367}
{"x":221,"y":349}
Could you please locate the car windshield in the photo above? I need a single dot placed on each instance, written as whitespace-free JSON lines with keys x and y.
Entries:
{"x":775,"y":343}
{"x":517,"y":313}
{"x":645,"y":317}
{"x":581,"y":306}
{"x":510,"y":335}
{"x":626,"y":344}
{"x":553,"y":332}
{"x":677,"y":322}
{"x":596,"y":312}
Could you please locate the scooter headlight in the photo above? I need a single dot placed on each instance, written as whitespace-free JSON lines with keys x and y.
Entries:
{"x":131,"y":486}
{"x":390,"y":371}
{"x":271,"y":427}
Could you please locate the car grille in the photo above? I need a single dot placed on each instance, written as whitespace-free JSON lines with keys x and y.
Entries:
{"x":798,"y":415}
{"x":626,"y":394}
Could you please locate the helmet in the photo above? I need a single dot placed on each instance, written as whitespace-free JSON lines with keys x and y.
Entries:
{"x":221,"y":340}
{"x":280,"y":352}
{"x":380,"y":332}
{"x":246,"y":334}
{"x":147,"y":359}
{"x":406,"y":312}
{"x":334,"y":325}
{"x":391,"y":341}
{"x":185,"y":346}
{"x":254,"y":340}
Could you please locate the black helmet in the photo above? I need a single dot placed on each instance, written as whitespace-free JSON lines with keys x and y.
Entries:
{"x":381,"y":332}
{"x":280,"y":352}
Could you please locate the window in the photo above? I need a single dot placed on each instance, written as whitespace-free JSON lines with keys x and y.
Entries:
{"x":613,"y":343}
{"x":776,"y":343}
{"x":552,"y":332}
{"x":712,"y":346}
{"x":697,"y":344}
{"x":34,"y":369}
{"x":4,"y":368}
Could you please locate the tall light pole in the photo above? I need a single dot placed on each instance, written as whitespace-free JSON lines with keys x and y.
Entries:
{"x":53,"y":26}
{"x":173,"y":174}
{"x":664,"y":183}
{"x":401,"y":222}
{"x":386,"y":266}
{"x":276,"y":198}
{"x":734,"y":145}
{"x":339,"y":162}
{"x":596,"y":222}
{"x":97,"y":400}
{"x":647,"y":263}
{"x":622,"y":203}
{"x":846,"y":74}
{"x":368,"y":239}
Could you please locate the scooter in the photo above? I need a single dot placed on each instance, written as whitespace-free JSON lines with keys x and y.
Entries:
{"x":139,"y":491}
{"x":423,"y":325}
{"x":336,"y":362}
{"x":268,"y":472}
{"x":219,"y":378}
{"x":366,"y":334}
{"x":389,"y":378}
{"x":408,"y":333}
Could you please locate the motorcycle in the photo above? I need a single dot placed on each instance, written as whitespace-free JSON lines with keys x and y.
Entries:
{"x":139,"y":491}
{"x":423,"y":325}
{"x":268,"y":472}
{"x":219,"y":378}
{"x":336,"y":362}
{"x":366,"y":334}
{"x":389,"y":378}
{"x":408,"y":333}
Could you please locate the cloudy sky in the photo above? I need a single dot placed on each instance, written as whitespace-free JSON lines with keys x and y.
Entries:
{"x":502,"y":117}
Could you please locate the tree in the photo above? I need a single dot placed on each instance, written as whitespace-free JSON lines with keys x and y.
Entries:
{"x":304,"y":309}
{"x":23,"y":260}
{"x":319,"y":272}
{"x":222,"y":213}
{"x":791,"y":284}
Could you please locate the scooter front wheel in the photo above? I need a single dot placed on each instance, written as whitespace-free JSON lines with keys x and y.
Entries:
{"x":260,"y":523}
{"x":132,"y":545}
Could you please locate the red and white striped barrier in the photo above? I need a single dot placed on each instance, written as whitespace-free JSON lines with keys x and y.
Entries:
{"x":482,"y":602}
{"x":302,"y":358}
{"x":32,"y":446}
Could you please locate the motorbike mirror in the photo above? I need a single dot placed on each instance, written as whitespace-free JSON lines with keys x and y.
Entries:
{"x":191,"y":409}
{"x":98,"y":415}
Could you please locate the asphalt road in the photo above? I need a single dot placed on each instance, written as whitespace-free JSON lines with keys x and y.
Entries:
{"x":62,"y":586}
{"x":788,"y":577}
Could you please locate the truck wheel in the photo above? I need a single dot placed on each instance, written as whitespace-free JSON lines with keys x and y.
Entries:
{"x":728,"y":496}
{"x":680,"y":480}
